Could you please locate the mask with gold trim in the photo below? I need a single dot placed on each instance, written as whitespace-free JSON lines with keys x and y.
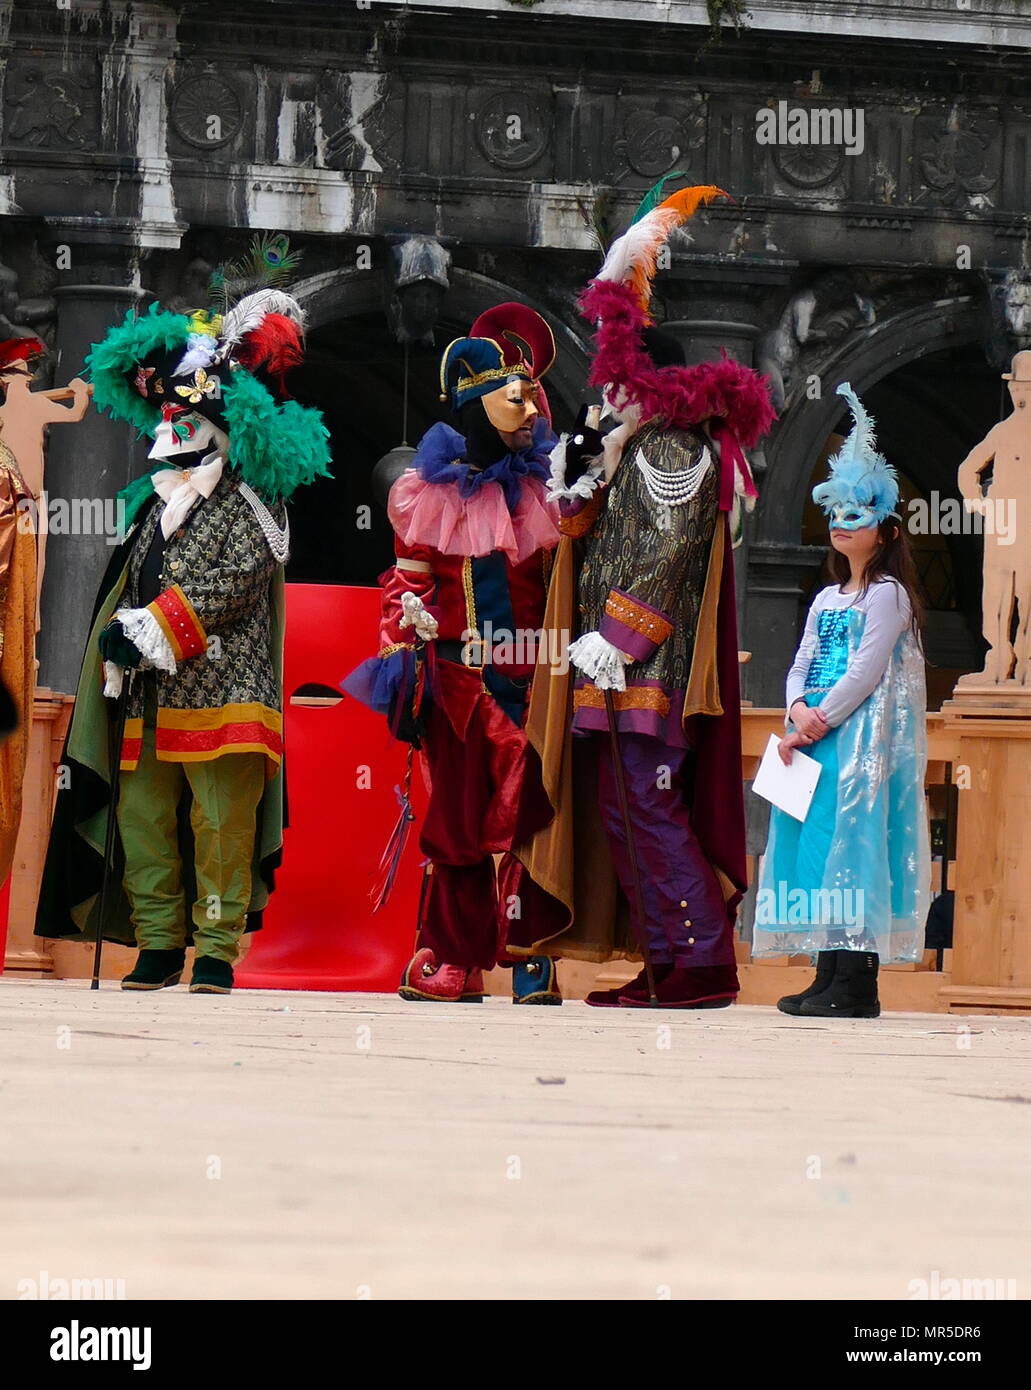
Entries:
{"x":513,"y":406}
{"x":501,"y":362}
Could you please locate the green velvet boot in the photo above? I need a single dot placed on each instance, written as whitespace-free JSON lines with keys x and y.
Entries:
{"x":156,"y":969}
{"x":211,"y":976}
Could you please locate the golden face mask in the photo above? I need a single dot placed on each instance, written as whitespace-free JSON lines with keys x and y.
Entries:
{"x":513,"y":405}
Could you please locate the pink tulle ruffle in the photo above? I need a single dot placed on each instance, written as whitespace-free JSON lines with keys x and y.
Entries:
{"x":434,"y":514}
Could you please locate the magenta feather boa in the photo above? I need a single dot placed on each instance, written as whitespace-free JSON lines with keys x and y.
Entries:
{"x":680,"y":396}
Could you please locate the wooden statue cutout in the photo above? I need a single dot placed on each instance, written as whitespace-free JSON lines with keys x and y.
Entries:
{"x":1007,"y":560}
{"x":24,"y":416}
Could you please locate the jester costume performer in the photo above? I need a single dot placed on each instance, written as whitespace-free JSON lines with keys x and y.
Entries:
{"x":188,"y":632}
{"x":852,"y":881}
{"x":644,"y":576}
{"x":461,"y":614}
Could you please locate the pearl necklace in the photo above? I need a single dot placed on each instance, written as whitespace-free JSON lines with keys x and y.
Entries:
{"x":672,"y":489}
{"x":278,"y":537}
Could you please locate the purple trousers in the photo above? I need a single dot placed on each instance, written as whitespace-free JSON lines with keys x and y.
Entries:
{"x":686,"y":921}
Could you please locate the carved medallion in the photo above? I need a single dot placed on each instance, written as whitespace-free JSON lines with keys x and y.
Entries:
{"x":206,"y":111}
{"x":50,"y":110}
{"x":957,"y":160}
{"x":513,"y":128}
{"x":658,"y":135}
{"x":808,"y":166}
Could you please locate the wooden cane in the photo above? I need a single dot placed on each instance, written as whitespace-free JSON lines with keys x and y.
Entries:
{"x":109,"y":838}
{"x":635,"y":870}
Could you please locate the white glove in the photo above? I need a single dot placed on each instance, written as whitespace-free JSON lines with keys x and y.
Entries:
{"x":584,"y":486}
{"x":414,"y":614}
{"x":114,"y":678}
{"x":599,"y":661}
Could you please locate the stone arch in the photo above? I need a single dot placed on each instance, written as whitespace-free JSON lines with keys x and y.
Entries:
{"x":346,"y":293}
{"x":780,"y":568}
{"x":864,"y":360}
{"x":355,"y":374}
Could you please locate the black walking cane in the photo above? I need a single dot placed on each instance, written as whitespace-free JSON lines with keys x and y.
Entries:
{"x":635,"y":869}
{"x":109,"y":838}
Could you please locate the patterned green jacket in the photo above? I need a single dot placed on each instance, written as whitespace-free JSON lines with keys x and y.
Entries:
{"x":215,"y":610}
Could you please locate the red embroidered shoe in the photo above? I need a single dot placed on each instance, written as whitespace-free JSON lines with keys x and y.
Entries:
{"x":686,"y":987}
{"x":426,"y":978}
{"x":614,"y":998}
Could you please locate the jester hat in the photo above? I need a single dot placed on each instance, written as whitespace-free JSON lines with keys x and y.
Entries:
{"x":227,"y":363}
{"x":863,"y":488}
{"x":506,"y":342}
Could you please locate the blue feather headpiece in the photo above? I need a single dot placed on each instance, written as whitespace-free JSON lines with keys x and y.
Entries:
{"x":863,"y":488}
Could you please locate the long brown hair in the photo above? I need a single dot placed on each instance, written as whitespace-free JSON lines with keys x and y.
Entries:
{"x":892,"y":559}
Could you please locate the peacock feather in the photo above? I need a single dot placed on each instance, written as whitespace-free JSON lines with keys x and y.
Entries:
{"x":269,"y":263}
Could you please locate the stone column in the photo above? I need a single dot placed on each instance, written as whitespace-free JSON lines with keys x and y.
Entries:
{"x":87,"y":463}
{"x":778,"y":575}
{"x":713,"y":305}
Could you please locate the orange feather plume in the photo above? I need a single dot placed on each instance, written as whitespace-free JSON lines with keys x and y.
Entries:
{"x":632,"y":258}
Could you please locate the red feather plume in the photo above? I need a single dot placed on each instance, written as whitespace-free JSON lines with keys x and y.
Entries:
{"x":276,"y":346}
{"x":19,"y":350}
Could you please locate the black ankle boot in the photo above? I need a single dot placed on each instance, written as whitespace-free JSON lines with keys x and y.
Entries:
{"x":852,"y":992}
{"x":156,"y":969}
{"x":211,"y":976}
{"x":825,"y":965}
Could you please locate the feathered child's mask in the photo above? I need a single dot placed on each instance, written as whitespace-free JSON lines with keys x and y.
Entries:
{"x":863,"y":488}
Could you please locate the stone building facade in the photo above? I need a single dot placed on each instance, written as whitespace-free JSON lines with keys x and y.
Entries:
{"x":432,"y":159}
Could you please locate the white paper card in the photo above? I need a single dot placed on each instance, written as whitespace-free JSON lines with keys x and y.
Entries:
{"x":788,"y":787}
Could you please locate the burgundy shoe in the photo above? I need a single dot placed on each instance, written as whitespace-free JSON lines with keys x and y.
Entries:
{"x":613,"y":998}
{"x":425,"y":978}
{"x":687,"y":987}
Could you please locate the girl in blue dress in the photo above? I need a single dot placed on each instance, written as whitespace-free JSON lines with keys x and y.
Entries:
{"x":851,"y":883}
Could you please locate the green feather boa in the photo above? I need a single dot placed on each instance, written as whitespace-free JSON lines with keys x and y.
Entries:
{"x":275,"y":448}
{"x":118,"y":353}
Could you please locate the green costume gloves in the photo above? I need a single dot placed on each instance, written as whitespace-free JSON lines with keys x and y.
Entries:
{"x":115,"y":646}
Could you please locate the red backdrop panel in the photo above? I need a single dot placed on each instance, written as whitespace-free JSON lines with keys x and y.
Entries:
{"x":341,"y":770}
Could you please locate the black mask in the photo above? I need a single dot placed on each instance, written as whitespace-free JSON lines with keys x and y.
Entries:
{"x":483,"y":444}
{"x":161,"y":388}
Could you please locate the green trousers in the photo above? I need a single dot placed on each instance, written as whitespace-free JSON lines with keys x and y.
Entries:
{"x":226,"y":792}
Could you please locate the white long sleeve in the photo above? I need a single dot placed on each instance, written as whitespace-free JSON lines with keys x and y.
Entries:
{"x":806,"y":651}
{"x":888,"y":613}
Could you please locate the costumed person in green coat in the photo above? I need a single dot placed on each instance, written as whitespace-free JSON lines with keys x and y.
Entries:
{"x":188,"y":631}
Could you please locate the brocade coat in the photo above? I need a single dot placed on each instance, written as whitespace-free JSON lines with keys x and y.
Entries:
{"x":215,"y":610}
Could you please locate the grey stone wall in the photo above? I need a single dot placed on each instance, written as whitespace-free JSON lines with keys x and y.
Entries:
{"x":148,"y":139}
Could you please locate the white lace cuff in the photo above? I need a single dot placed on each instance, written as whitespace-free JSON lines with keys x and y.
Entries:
{"x":144,"y":631}
{"x":599,"y":661}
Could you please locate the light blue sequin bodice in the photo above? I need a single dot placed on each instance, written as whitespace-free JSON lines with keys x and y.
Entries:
{"x":838,"y":631}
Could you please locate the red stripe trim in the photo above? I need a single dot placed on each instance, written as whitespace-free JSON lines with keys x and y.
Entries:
{"x":207,"y":740}
{"x":181,"y":625}
{"x":131,"y":750}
